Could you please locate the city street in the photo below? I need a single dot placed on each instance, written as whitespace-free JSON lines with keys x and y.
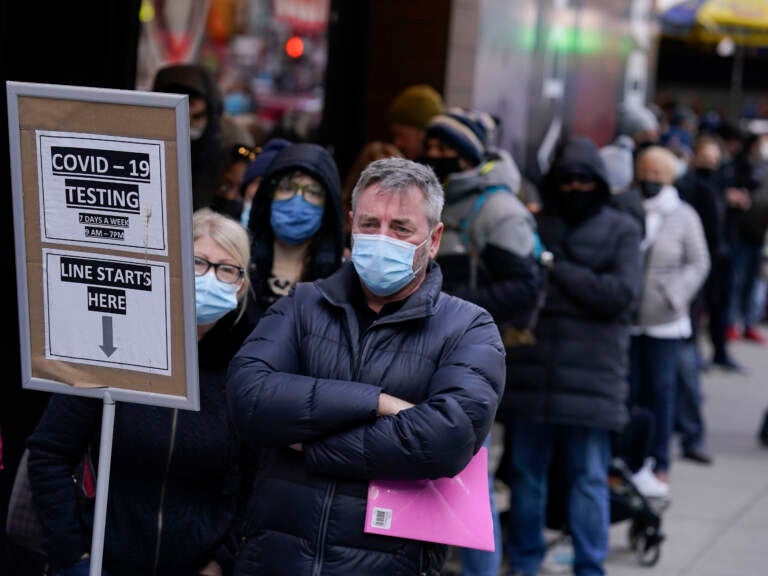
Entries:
{"x":717,"y":522}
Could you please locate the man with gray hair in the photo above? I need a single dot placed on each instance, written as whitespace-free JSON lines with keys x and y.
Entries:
{"x":372,"y":373}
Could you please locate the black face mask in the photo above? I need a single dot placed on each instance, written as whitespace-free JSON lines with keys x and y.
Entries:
{"x":705,"y":172}
{"x":443,"y":167}
{"x":649,"y":188}
{"x":578,"y":205}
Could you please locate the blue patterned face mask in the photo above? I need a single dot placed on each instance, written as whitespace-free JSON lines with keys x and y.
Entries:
{"x":213,"y":298}
{"x":385,"y":265}
{"x":295,"y":220}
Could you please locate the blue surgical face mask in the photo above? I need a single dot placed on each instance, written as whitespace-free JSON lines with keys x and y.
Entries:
{"x":295,"y":220}
{"x":213,"y":298}
{"x":385,"y":265}
{"x":237,"y":103}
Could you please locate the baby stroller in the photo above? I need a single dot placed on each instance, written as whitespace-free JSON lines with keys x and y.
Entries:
{"x":627,"y":503}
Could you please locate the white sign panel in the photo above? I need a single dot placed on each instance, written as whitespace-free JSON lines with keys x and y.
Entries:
{"x":107,"y":311}
{"x":96,"y":189}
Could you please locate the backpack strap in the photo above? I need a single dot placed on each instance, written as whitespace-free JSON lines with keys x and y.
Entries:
{"x":466,"y":221}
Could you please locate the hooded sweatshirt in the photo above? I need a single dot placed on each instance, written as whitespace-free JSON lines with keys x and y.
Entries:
{"x":327,"y":246}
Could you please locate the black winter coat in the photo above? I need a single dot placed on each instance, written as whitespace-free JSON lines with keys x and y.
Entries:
{"x":576,"y":371}
{"x":305,"y":375}
{"x":174,"y":479}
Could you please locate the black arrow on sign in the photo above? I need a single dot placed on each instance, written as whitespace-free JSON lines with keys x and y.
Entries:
{"x":106,"y":330}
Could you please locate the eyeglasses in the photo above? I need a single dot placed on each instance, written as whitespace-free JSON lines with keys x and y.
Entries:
{"x":227,"y":273}
{"x":287,"y":188}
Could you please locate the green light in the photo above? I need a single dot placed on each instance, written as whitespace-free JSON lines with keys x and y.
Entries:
{"x":589,"y":42}
{"x":561,"y":39}
{"x":526,"y":38}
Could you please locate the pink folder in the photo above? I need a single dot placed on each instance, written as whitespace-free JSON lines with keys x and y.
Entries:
{"x":454,"y":511}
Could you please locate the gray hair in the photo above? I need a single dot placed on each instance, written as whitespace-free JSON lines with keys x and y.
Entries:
{"x":395,"y":175}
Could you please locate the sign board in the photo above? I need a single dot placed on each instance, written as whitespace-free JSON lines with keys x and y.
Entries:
{"x":103,"y":229}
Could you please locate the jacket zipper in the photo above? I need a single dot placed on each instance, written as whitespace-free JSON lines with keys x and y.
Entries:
{"x":317,"y":567}
{"x":162,"y":490}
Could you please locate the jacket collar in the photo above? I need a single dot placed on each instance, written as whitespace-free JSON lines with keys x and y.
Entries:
{"x":337,"y":289}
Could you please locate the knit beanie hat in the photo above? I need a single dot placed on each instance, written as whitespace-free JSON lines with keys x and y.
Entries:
{"x":466,"y":131}
{"x":258,"y":165}
{"x":635,"y":118}
{"x":415,"y":106}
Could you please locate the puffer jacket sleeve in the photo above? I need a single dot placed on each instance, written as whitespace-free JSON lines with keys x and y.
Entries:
{"x":437,"y":437}
{"x":606,"y":293}
{"x":273,"y":404}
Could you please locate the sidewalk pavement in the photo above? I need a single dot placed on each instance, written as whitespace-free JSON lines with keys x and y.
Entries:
{"x":717,"y":522}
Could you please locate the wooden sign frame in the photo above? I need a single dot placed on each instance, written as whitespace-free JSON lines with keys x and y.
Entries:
{"x":104,"y":251}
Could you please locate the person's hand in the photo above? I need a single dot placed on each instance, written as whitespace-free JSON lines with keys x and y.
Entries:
{"x":298,"y":447}
{"x":390,"y":405}
{"x":211,"y":569}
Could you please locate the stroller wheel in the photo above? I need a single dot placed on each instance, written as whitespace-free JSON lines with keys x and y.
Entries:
{"x":634,"y":534}
{"x":647,"y":555}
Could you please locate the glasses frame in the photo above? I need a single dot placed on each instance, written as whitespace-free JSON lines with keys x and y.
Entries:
{"x":286,"y":184}
{"x":216,"y":266}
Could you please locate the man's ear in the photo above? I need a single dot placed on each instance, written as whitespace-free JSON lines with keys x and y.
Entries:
{"x":436,"y":236}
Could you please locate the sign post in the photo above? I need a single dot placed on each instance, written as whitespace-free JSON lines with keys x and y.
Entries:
{"x":104,"y":254}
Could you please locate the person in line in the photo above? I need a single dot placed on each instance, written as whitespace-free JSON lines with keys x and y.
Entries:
{"x":749,"y":232}
{"x":487,"y":250}
{"x":175,"y":475}
{"x":568,"y":389}
{"x":676,"y":264}
{"x":372,"y":373}
{"x":408,"y":115}
{"x":211,"y":131}
{"x":295,"y":224}
{"x":700,"y":187}
{"x":227,"y":199}
{"x":254,"y":172}
{"x":637,"y":127}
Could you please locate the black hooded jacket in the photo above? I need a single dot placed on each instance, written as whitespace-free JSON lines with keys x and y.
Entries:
{"x":326,"y":249}
{"x":206,"y":152}
{"x":576,"y":371}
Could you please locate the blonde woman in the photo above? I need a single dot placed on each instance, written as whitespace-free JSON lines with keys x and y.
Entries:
{"x":175,"y":476}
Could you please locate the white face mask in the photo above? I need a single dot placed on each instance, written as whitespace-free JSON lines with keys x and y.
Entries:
{"x":682,"y":167}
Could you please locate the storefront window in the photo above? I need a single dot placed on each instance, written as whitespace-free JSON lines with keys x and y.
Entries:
{"x":269,"y":56}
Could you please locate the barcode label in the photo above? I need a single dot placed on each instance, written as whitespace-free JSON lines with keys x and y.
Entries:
{"x":382,"y":518}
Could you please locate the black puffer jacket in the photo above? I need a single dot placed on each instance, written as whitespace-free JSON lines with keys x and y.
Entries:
{"x":174,"y":469}
{"x":576,"y":372}
{"x":305,"y":375}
